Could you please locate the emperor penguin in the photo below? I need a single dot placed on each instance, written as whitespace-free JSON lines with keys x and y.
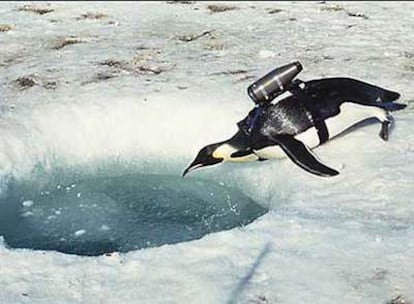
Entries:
{"x":308,"y":116}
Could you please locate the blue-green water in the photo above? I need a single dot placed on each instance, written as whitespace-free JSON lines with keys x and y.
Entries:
{"x":122,"y":213}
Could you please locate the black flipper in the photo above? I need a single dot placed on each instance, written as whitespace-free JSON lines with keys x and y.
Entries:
{"x":302,"y":156}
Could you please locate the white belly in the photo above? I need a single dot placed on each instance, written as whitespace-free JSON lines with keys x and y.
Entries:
{"x":349,"y":115}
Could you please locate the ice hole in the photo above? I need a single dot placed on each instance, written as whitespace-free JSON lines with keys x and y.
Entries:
{"x":123,"y":213}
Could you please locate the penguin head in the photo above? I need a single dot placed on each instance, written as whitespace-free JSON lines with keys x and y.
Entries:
{"x":206,"y":157}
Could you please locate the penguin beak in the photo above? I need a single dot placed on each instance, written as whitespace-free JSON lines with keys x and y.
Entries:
{"x":204,"y":158}
{"x":191,"y":168}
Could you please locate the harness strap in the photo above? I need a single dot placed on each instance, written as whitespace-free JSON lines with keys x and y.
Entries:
{"x":323,"y":132}
{"x":318,"y":122}
{"x":252,"y":121}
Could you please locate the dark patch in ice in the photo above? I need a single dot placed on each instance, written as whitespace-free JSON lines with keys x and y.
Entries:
{"x":219,"y":8}
{"x":29,"y":81}
{"x":104,"y":76}
{"x":189,"y":38}
{"x":40,"y":10}
{"x":92,"y":16}
{"x":326,"y":57}
{"x":408,"y":54}
{"x":143,"y":47}
{"x":138,"y":65}
{"x":113,"y":63}
{"x":399,"y":300}
{"x":409,"y":68}
{"x":50,"y":85}
{"x":25,"y":82}
{"x":231,"y":72}
{"x":259,"y":300}
{"x":113,"y":22}
{"x":181,"y":2}
{"x":8,"y":61}
{"x":338,"y":8}
{"x":358,"y":15}
{"x":350,"y":26}
{"x":100,"y":77}
{"x":335,"y":8}
{"x":123,"y":213}
{"x":5,"y":27}
{"x":62,"y":42}
{"x":272,"y":11}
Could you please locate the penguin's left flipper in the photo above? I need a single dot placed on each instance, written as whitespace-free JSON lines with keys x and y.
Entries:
{"x":301,"y":155}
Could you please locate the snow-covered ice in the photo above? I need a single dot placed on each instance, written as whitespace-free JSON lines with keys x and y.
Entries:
{"x":94,"y":90}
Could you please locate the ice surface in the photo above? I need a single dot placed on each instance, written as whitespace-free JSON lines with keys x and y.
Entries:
{"x":130,"y":96}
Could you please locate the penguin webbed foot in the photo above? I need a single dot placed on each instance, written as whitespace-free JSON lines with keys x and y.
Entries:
{"x":301,"y":155}
{"x":384,"y":133}
{"x":386,"y":126}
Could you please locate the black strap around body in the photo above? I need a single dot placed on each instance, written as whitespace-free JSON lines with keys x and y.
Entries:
{"x":323,"y":132}
{"x":318,"y":122}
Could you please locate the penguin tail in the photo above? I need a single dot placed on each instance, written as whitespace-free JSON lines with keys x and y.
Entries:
{"x":391,"y":106}
{"x":387,"y":95}
{"x":387,"y":99}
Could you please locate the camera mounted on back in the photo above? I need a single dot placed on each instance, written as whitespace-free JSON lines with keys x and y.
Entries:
{"x":274,"y":83}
